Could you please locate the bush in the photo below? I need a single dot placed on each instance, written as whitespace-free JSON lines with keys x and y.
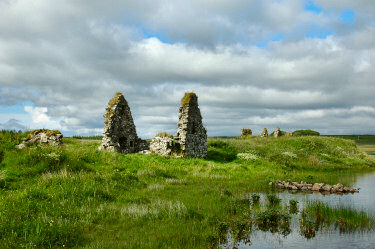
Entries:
{"x":305,"y":133}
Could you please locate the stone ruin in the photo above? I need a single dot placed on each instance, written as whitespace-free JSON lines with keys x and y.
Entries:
{"x":163,"y":144}
{"x":43,"y":137}
{"x":277,"y":133}
{"x":120,"y":134}
{"x":264,"y":133}
{"x":191,"y":134}
{"x":246,"y":132}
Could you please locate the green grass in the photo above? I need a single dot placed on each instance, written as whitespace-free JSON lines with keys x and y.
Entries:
{"x":78,"y":197}
{"x":344,"y":218}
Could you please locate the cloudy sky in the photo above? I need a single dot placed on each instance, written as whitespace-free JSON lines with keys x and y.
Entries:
{"x":296,"y":64}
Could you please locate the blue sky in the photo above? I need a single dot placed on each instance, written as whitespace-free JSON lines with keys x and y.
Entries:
{"x":288,"y":63}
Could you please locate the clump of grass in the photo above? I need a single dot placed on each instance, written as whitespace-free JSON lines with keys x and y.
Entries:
{"x":345,"y":218}
{"x":164,"y":134}
{"x":273,"y":200}
{"x":274,"y":220}
{"x":255,"y":198}
{"x":293,"y":206}
{"x":156,"y":209}
{"x":307,"y":227}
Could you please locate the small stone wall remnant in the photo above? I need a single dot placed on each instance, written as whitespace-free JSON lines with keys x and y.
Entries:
{"x":276,"y":133}
{"x":246,"y":132}
{"x":162,"y":144}
{"x":42,"y":136}
{"x":264,"y":133}
{"x":119,"y":130}
{"x":191,"y":135}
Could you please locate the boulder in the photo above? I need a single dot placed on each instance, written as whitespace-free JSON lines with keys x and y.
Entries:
{"x":326,"y":187}
{"x":316,"y":187}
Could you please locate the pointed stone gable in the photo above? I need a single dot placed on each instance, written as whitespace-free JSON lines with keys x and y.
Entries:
{"x":119,"y":130}
{"x":191,"y":134}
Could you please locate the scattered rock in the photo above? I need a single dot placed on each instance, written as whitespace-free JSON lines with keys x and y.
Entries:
{"x":20,"y":146}
{"x":316,"y":187}
{"x":42,"y":136}
{"x":119,"y":130}
{"x":264,"y":133}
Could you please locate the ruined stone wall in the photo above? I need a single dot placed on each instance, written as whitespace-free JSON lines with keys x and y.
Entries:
{"x":164,"y":146}
{"x":119,"y":130}
{"x":277,"y":132}
{"x":264,"y":133}
{"x":191,"y":136}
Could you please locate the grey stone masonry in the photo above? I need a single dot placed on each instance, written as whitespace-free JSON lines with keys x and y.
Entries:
{"x":119,"y":130}
{"x":162,"y":145}
{"x":191,"y":135}
{"x":264,"y":133}
{"x":277,"y":132}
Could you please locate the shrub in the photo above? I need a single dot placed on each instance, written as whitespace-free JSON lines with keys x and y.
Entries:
{"x":305,"y":133}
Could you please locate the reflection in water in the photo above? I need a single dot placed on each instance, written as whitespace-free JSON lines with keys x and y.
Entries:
{"x":307,"y":228}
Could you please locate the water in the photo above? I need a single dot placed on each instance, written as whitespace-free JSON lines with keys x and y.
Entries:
{"x":324,"y":238}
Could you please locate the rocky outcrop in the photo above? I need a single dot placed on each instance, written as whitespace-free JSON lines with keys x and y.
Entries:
{"x":246,"y":132}
{"x":191,"y":136}
{"x":264,"y":133}
{"x":276,"y":133}
{"x":119,"y":130}
{"x":316,"y":187}
{"x":42,"y":136}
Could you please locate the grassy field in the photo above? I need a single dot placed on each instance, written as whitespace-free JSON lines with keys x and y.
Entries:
{"x":365,"y":143}
{"x":79,"y":197}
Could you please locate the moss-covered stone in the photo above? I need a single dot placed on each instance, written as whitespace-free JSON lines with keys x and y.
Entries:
{"x":164,"y":134}
{"x":49,"y":133}
{"x":187,"y":98}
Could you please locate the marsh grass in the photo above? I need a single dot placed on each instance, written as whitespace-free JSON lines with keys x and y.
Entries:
{"x":345,"y":218}
{"x":78,"y":197}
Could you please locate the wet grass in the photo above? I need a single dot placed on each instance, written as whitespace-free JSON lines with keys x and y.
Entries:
{"x":344,"y":218}
{"x":78,"y":197}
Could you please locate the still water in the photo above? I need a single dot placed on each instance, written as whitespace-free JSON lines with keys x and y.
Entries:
{"x":324,"y":238}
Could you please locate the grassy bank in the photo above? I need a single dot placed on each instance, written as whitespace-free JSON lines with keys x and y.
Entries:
{"x":77,"y":196}
{"x":365,"y":143}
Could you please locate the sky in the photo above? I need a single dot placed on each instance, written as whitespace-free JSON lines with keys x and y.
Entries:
{"x":293,"y":64}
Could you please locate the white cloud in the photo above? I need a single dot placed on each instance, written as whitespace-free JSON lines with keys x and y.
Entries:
{"x":69,"y":57}
{"x":40,"y":119}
